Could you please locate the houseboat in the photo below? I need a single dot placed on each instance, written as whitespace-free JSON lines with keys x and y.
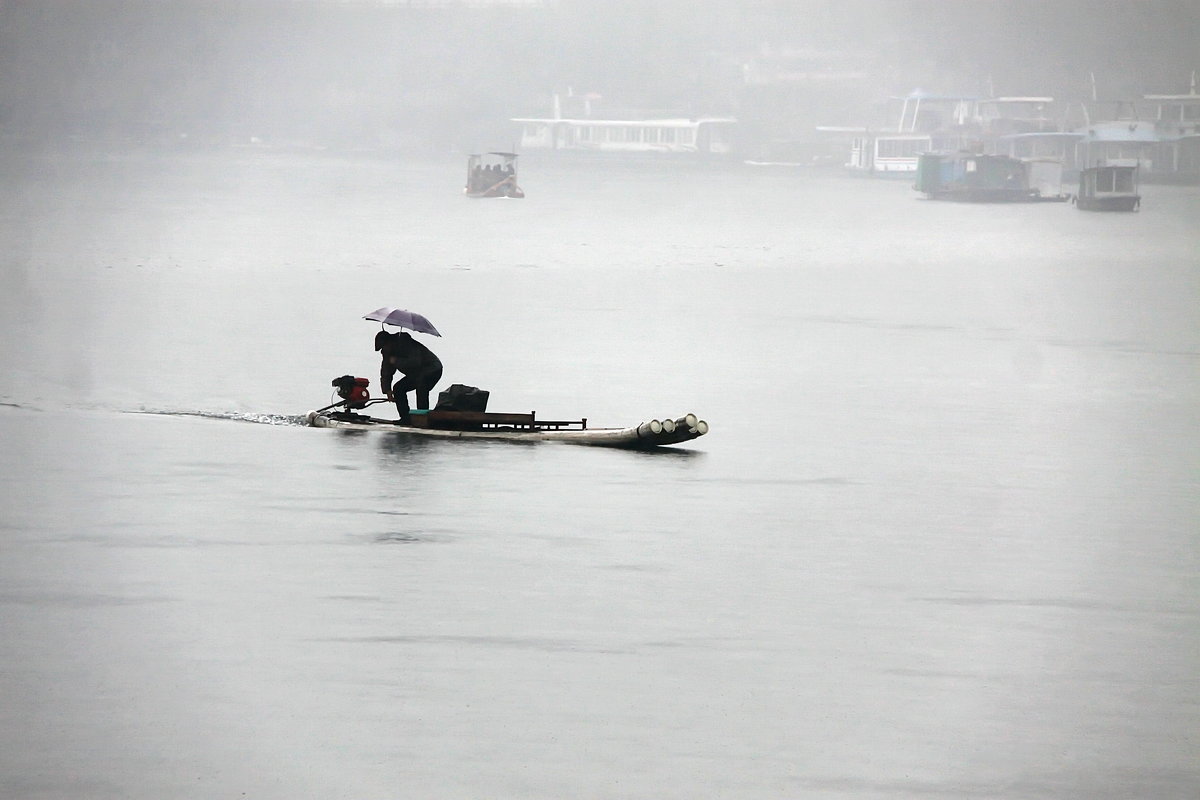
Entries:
{"x":1006,"y":116}
{"x":1109,"y":187}
{"x":981,"y":178}
{"x":1125,"y":138}
{"x":1042,"y":145}
{"x":925,"y":123}
{"x":896,"y":154}
{"x":1177,"y":120}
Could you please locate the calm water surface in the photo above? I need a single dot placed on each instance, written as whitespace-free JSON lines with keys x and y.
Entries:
{"x":941,"y":542}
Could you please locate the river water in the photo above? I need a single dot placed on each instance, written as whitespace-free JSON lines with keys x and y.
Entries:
{"x":941,"y":540}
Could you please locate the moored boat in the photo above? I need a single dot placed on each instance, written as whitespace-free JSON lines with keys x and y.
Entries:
{"x":1109,"y":187}
{"x":925,"y":123}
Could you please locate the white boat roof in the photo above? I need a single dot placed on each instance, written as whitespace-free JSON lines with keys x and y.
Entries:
{"x":1176,"y":97}
{"x":1018,"y":100}
{"x":681,"y":122}
{"x":918,"y":94}
{"x":1045,"y":135}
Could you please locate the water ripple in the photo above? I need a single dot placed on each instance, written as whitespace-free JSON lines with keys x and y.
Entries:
{"x":235,"y":416}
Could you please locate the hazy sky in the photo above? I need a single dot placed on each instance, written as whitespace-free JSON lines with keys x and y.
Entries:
{"x":420,"y":73}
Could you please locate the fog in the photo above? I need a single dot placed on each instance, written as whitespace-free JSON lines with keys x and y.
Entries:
{"x":446,"y":76}
{"x":940,"y":541}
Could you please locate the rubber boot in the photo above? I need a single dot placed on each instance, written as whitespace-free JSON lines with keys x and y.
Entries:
{"x":402,"y":410}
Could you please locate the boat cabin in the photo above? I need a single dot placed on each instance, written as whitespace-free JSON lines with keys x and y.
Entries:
{"x":923,"y":123}
{"x":492,"y":175}
{"x":1006,"y":116}
{"x":1109,"y":187}
{"x":980,"y":178}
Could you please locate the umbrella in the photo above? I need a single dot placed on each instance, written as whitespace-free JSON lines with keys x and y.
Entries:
{"x":404,"y":319}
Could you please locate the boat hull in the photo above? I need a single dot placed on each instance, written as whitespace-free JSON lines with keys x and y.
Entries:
{"x":646,"y":436}
{"x":513,"y":194}
{"x":1108,"y":203}
{"x":996,"y":196}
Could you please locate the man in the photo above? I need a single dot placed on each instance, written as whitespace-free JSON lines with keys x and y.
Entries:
{"x":420,"y":368}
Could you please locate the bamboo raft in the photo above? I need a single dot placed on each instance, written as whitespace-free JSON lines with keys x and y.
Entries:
{"x":519,"y":427}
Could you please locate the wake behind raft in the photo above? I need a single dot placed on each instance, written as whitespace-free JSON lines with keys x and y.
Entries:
{"x":461,"y":413}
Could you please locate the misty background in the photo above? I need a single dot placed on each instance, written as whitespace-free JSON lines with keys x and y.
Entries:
{"x":941,"y":541}
{"x":446,"y":76}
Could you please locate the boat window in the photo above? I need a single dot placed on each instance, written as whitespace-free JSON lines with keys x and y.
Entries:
{"x":687,"y":136}
{"x":635,"y":134}
{"x":1104,"y":181}
{"x":1124,"y":180}
{"x":668,"y":135}
{"x":1191,"y":112}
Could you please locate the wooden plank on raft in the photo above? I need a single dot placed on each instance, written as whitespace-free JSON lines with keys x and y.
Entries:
{"x":559,"y":424}
{"x":438,"y":419}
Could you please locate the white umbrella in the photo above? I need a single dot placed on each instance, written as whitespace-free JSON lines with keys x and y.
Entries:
{"x":403,"y":319}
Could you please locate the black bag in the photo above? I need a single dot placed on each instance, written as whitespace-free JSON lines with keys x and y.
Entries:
{"x":462,"y":398}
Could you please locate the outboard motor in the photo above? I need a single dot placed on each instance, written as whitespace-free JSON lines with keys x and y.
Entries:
{"x":353,"y":390}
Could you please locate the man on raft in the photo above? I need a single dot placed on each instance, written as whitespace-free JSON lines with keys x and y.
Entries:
{"x":419,"y":367}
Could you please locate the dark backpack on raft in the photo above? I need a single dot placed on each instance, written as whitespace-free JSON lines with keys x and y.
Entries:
{"x":462,"y":398}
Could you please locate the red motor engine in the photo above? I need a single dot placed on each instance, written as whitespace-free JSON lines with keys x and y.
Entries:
{"x":353,"y":390}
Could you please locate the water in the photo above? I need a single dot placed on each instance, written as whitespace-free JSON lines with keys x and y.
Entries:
{"x":941,"y":540}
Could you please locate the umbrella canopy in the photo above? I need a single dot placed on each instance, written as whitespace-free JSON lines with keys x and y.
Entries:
{"x":404,"y":319}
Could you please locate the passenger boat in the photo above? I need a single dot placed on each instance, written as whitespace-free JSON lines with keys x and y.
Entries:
{"x":706,"y":135}
{"x":447,"y":424}
{"x":1109,"y":187}
{"x":1177,"y":119}
{"x":492,"y":175}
